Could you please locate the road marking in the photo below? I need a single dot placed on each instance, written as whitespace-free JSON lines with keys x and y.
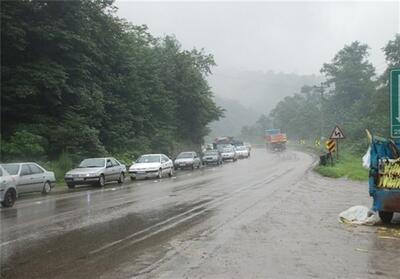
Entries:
{"x":158,"y":199}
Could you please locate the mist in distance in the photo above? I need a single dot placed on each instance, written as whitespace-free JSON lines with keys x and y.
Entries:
{"x":267,"y":50}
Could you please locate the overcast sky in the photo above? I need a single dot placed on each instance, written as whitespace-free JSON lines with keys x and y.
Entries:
{"x":280,"y":36}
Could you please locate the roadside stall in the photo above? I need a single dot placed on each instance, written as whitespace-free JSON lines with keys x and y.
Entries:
{"x":384,"y":177}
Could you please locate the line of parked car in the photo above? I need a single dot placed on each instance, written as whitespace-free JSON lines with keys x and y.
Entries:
{"x":20,"y":178}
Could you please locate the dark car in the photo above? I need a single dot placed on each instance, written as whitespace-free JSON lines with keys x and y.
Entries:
{"x":187,"y":160}
{"x":212,"y":157}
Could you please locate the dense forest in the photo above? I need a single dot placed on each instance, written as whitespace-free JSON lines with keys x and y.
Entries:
{"x":78,"y":80}
{"x":352,"y":96}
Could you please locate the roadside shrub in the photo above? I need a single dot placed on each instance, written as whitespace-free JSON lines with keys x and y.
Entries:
{"x":23,"y":145}
{"x":63,"y":164}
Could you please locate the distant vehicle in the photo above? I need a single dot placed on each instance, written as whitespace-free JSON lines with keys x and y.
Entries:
{"x":248,"y":145}
{"x":8,"y":188}
{"x":275,"y":140}
{"x":151,"y":166}
{"x":212,"y":157}
{"x":242,"y":152}
{"x":237,"y":143}
{"x":96,"y":171}
{"x":229,"y":153}
{"x":222,"y":141}
{"x":31,"y":177}
{"x":209,"y":146}
{"x":187,"y":160}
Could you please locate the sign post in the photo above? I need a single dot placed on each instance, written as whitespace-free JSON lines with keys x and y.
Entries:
{"x":331,"y":146}
{"x":395,"y":103}
{"x":337,"y":134}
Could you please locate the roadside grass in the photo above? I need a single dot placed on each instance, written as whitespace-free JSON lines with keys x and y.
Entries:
{"x":60,"y":167}
{"x":349,"y":165}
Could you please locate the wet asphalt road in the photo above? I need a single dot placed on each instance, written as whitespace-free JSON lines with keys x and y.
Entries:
{"x":268,"y":216}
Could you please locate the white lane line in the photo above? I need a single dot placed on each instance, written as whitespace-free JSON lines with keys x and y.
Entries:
{"x":158,"y":199}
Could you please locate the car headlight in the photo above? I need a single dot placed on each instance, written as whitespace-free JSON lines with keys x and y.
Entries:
{"x":90,"y":174}
{"x":68,"y":175}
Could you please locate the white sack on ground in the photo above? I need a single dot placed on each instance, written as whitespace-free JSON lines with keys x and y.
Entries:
{"x":359,"y":215}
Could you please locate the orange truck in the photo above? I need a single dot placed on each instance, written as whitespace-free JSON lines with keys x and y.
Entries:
{"x":275,"y":140}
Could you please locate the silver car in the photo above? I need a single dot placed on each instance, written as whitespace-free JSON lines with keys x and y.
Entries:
{"x":212,"y":157}
{"x":187,"y":160}
{"x":31,"y":177}
{"x":8,"y":189}
{"x":229,"y":153}
{"x":96,"y":171}
{"x":242,"y":151}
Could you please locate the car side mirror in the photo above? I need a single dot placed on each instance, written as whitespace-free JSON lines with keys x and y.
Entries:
{"x":109,"y":165}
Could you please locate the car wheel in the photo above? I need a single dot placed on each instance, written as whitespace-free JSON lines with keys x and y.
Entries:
{"x":46,"y":188}
{"x":171,"y":172}
{"x":386,"y":216}
{"x":198,"y":166}
{"x":71,"y":186}
{"x":133,"y":178}
{"x":9,"y":198}
{"x":121,"y":178}
{"x":102,"y":181}
{"x":159,"y":175}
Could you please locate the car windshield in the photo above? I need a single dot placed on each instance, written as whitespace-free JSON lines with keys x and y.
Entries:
{"x":185,"y":155}
{"x":11,"y":168}
{"x":241,"y":148}
{"x":228,"y":149}
{"x":93,"y":163}
{"x":149,"y":159}
{"x":211,"y":152}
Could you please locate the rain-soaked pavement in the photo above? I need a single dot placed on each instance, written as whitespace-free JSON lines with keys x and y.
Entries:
{"x":268,"y":216}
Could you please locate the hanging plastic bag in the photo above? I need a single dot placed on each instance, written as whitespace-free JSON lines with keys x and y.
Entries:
{"x":366,"y":159}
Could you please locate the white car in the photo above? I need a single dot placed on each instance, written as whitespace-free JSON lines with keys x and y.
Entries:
{"x":31,"y":177}
{"x":242,"y":151}
{"x":8,"y":189}
{"x":229,"y":153}
{"x":150,"y":166}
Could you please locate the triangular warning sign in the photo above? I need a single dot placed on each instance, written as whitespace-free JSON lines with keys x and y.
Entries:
{"x":337,"y":133}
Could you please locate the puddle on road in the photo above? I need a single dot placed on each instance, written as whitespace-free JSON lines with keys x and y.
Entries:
{"x":68,"y":254}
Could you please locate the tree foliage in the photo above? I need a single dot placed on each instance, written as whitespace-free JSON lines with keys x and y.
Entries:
{"x":88,"y":83}
{"x":352,"y":96}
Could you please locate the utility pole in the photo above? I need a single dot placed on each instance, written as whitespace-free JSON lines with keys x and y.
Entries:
{"x":320,"y":89}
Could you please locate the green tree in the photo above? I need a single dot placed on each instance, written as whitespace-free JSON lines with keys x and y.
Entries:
{"x":88,"y":83}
